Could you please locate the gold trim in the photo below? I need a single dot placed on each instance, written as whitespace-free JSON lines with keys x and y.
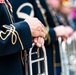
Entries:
{"x":22,"y":59}
{"x":57,"y":64}
{"x":11,"y":30}
{"x":54,"y":59}
{"x":22,"y":14}
{"x":8,"y":12}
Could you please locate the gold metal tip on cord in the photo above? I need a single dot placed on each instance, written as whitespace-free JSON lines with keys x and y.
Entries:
{"x":47,"y":37}
{"x":46,"y":32}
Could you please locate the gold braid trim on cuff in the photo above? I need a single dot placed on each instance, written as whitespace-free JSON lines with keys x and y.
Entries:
{"x":47,"y":37}
{"x":11,"y":30}
{"x":15,"y":35}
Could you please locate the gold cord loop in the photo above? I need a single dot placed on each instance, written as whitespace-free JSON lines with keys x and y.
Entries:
{"x":11,"y":31}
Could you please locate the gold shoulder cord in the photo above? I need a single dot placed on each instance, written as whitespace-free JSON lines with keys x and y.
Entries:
{"x":45,"y":20}
{"x":11,"y":30}
{"x":6,"y":6}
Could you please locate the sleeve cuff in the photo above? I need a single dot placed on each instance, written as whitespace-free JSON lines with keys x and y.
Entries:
{"x":25,"y":34}
{"x":52,"y":35}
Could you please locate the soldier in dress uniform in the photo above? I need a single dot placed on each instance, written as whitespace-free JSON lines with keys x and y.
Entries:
{"x":15,"y":37}
{"x":39,"y":9}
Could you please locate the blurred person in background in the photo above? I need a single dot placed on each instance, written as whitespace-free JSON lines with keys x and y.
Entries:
{"x":68,"y":9}
{"x":61,"y":11}
{"x":54,"y":7}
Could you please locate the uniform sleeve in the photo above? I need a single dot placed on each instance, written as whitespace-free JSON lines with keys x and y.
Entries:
{"x":15,"y":38}
{"x":52,"y":35}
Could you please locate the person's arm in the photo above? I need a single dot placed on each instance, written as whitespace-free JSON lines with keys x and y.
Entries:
{"x":59,"y":31}
{"x":19,"y":36}
{"x":16,"y":38}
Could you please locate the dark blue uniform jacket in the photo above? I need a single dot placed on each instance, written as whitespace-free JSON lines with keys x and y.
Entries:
{"x":10,"y":62}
